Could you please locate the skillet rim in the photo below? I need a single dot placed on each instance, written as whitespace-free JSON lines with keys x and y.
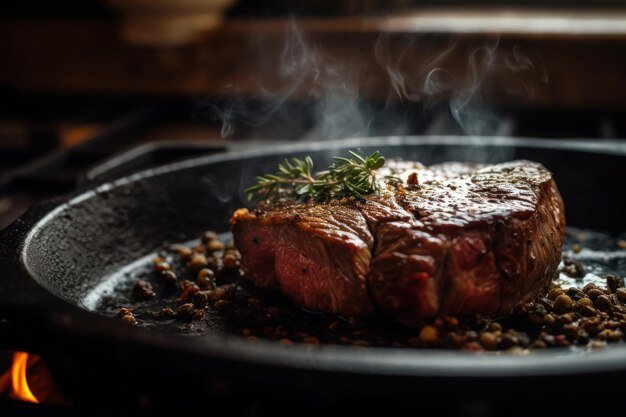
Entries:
{"x":377,"y":361}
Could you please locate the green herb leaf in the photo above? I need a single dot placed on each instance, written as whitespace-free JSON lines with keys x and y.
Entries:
{"x":354,"y":176}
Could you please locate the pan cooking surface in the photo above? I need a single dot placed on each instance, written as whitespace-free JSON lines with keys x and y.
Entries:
{"x":261,"y":314}
{"x":90,"y":250}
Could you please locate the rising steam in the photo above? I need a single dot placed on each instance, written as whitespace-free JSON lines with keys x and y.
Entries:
{"x":454,"y":74}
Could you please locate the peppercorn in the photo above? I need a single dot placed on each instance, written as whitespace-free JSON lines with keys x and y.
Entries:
{"x":221,"y":304}
{"x":563,"y":303}
{"x":588,"y":311}
{"x":489,"y":341}
{"x":208,"y":236}
{"x":621,"y":295}
{"x":201,"y":299}
{"x":181,"y":250}
{"x":125,"y":311}
{"x":614,"y":282}
{"x":564,"y":319}
{"x":169,"y":277}
{"x":162,"y":266}
{"x":589,"y":287}
{"x":130,"y":319}
{"x":508,"y":340}
{"x":561,"y":340}
{"x":570,"y":330}
{"x":428,"y":334}
{"x":585,"y":302}
{"x":166,"y":312}
{"x":216,"y":294}
{"x":143,"y":290}
{"x":548,"y":319}
{"x":555,"y":292}
{"x":594,"y":293}
{"x":206,"y":278}
{"x":612,"y":324}
{"x":575,"y":293}
{"x":572,"y":268}
{"x":197,"y":261}
{"x":230,"y":261}
{"x":495,"y":327}
{"x":215,"y":245}
{"x":610,"y":335}
{"x":524,"y":339}
{"x":603,"y":302}
{"x":186,"y":311}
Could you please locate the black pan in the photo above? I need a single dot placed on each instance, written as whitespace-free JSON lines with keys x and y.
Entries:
{"x":59,"y":252}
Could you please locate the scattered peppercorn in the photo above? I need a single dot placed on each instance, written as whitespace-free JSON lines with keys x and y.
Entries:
{"x":573,"y":268}
{"x":489,"y":341}
{"x":188,"y":292}
{"x":162,"y":266}
{"x":143,"y":290}
{"x":215,"y":245}
{"x":197,"y":261}
{"x":208,"y":236}
{"x":125,"y":311}
{"x":560,"y":317}
{"x":230,"y":261}
{"x":181,"y":250}
{"x":428,"y":334}
{"x":130,"y":319}
{"x":169,"y":277}
{"x":613,"y":282}
{"x":166,"y":312}
{"x":187,"y":311}
{"x":206,"y":278}
{"x":563,"y":303}
{"x":201,"y":299}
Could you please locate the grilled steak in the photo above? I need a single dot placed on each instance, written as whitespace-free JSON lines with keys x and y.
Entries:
{"x":460,"y":239}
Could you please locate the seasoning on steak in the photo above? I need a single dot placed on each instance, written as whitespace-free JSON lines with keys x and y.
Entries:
{"x":459,"y":239}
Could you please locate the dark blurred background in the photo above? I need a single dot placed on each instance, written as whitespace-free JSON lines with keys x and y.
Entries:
{"x":81,"y":81}
{"x":94,"y":89}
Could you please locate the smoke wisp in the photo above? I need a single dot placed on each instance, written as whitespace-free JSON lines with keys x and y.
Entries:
{"x":457,"y":75}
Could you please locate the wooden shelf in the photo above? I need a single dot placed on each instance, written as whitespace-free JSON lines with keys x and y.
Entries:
{"x":555,"y":58}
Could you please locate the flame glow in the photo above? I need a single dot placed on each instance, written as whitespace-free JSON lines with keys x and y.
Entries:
{"x":20,"y":388}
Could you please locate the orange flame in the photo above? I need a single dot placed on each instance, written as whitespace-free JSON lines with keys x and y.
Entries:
{"x":20,"y":388}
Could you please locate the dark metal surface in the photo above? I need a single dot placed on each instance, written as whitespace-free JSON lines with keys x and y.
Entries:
{"x":60,"y":251}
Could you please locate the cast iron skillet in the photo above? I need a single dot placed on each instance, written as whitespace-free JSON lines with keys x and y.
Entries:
{"x":59,"y":251}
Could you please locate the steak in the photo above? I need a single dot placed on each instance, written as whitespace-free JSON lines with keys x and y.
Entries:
{"x":450,"y":239}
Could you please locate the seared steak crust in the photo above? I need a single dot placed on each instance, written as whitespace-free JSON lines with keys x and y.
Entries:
{"x":316,"y":254}
{"x":467,"y":239}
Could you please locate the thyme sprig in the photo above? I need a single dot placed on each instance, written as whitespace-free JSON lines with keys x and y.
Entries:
{"x":354,"y":176}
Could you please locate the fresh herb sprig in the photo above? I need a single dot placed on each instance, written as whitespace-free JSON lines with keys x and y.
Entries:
{"x":354,"y":176}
